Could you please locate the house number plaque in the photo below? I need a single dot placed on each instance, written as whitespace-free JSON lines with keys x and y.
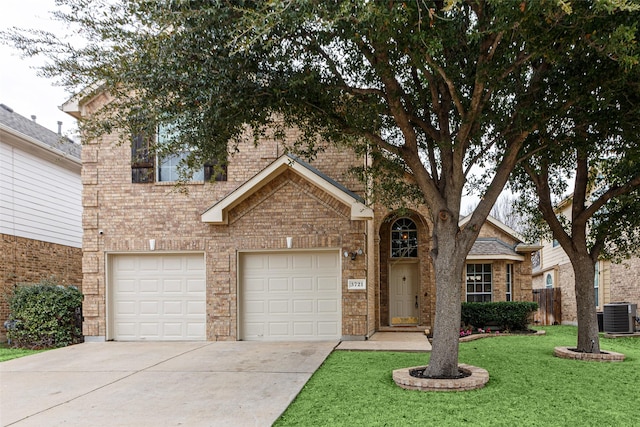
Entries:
{"x":357,"y":284}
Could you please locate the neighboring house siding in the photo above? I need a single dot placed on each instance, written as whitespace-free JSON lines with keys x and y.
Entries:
{"x":39,"y":200}
{"x":617,"y":282}
{"x":40,"y":207}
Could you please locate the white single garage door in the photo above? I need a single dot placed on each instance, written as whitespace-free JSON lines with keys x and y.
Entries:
{"x":158,"y":297}
{"x":290,"y":296}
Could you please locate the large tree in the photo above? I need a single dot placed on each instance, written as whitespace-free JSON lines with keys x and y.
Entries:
{"x":595,"y":145}
{"x":429,"y":88}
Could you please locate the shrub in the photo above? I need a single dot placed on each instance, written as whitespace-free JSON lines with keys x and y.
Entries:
{"x":44,"y":315}
{"x":510,"y":316}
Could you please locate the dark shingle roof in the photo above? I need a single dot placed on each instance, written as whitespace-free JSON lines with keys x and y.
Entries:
{"x":326,"y":178}
{"x":491,"y":246}
{"x":30,"y":128}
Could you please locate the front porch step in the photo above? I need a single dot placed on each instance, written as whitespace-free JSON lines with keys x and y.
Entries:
{"x":403,"y":328}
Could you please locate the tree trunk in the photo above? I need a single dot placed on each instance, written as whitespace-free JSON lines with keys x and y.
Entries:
{"x":588,"y":338}
{"x":449,"y":264}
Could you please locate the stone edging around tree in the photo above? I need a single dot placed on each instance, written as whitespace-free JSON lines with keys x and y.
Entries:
{"x":477,"y":378}
{"x":603,"y":356}
{"x":478,"y":336}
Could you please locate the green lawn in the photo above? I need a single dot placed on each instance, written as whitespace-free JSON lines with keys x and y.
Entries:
{"x":7,"y":353}
{"x":528,"y":386}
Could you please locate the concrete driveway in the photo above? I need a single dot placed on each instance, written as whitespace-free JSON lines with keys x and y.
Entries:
{"x":157,"y":384}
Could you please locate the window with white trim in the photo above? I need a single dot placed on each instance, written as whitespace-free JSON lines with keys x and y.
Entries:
{"x":596,"y":283}
{"x":479,"y":282}
{"x":509,"y":281}
{"x":549,"y":281}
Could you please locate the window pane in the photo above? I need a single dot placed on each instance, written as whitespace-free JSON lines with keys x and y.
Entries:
{"x":404,"y":239}
{"x":171,"y":166}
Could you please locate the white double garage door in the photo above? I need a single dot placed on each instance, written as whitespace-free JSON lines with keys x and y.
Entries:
{"x":281,"y":296}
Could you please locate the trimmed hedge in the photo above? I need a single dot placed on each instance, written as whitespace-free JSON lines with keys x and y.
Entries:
{"x":505,"y":315}
{"x":44,"y":315}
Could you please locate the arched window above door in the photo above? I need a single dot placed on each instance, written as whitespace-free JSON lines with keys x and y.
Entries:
{"x":404,"y":239}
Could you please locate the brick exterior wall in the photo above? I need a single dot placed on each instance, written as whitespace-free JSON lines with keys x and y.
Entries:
{"x":121,"y":217}
{"x":29,"y":261}
{"x":625,"y":284}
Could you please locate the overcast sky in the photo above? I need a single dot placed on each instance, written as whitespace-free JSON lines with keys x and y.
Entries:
{"x":20,"y":86}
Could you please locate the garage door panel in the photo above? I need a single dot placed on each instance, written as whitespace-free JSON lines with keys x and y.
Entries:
{"x":303,"y":329}
{"x":303,"y":306}
{"x":196,"y":308}
{"x":297,"y":296}
{"x":149,"y":308}
{"x":197,"y":286}
{"x":146,"y":285}
{"x":278,"y":284}
{"x":168,"y":303}
{"x":328,"y":306}
{"x":303,"y":284}
{"x":303,"y":262}
{"x":277,"y":262}
{"x":172,"y":286}
{"x":279,"y":329}
{"x":328,"y":329}
{"x":126,"y":285}
{"x":328,"y":261}
{"x":328,"y":284}
{"x":148,"y":264}
{"x":278,"y":306}
{"x":125,"y":307}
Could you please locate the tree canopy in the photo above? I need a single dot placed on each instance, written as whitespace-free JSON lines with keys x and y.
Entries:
{"x":430,"y":89}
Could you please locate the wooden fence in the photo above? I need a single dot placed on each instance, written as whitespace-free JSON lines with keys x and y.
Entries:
{"x":549,"y":306}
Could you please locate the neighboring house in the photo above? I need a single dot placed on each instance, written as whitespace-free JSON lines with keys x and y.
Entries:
{"x":612,"y":283}
{"x":40,"y":206}
{"x":274,"y":249}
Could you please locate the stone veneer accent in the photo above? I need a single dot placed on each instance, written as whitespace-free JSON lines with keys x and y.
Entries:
{"x":29,"y":261}
{"x":477,"y":379}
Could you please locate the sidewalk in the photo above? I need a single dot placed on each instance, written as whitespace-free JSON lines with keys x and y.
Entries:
{"x":390,"y":341}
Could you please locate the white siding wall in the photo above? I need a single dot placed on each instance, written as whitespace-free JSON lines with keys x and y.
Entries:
{"x":40,"y":198}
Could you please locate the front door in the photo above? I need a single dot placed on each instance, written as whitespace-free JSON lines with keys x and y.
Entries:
{"x":403,"y":294}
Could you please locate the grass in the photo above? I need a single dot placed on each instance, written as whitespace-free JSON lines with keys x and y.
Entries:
{"x":8,"y":353}
{"x":528,"y":386}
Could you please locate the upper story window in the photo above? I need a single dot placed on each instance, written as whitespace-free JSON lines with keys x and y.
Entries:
{"x":172,"y":167}
{"x":404,"y":239}
{"x":147,"y":166}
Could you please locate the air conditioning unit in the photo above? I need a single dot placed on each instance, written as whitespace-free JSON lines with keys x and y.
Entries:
{"x":619,"y":317}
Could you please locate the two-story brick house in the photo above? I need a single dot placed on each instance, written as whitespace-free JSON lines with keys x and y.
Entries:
{"x":275,"y":248}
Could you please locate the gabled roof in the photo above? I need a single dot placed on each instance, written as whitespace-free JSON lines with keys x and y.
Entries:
{"x":491,"y":247}
{"x":218,"y":213}
{"x":497,"y":223}
{"x":494,"y":248}
{"x":33,"y":132}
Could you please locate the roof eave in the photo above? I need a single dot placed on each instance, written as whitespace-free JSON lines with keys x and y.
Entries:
{"x":218,"y":213}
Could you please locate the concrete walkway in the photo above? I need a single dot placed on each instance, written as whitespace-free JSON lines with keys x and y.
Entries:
{"x":157,"y":384}
{"x":390,"y":341}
